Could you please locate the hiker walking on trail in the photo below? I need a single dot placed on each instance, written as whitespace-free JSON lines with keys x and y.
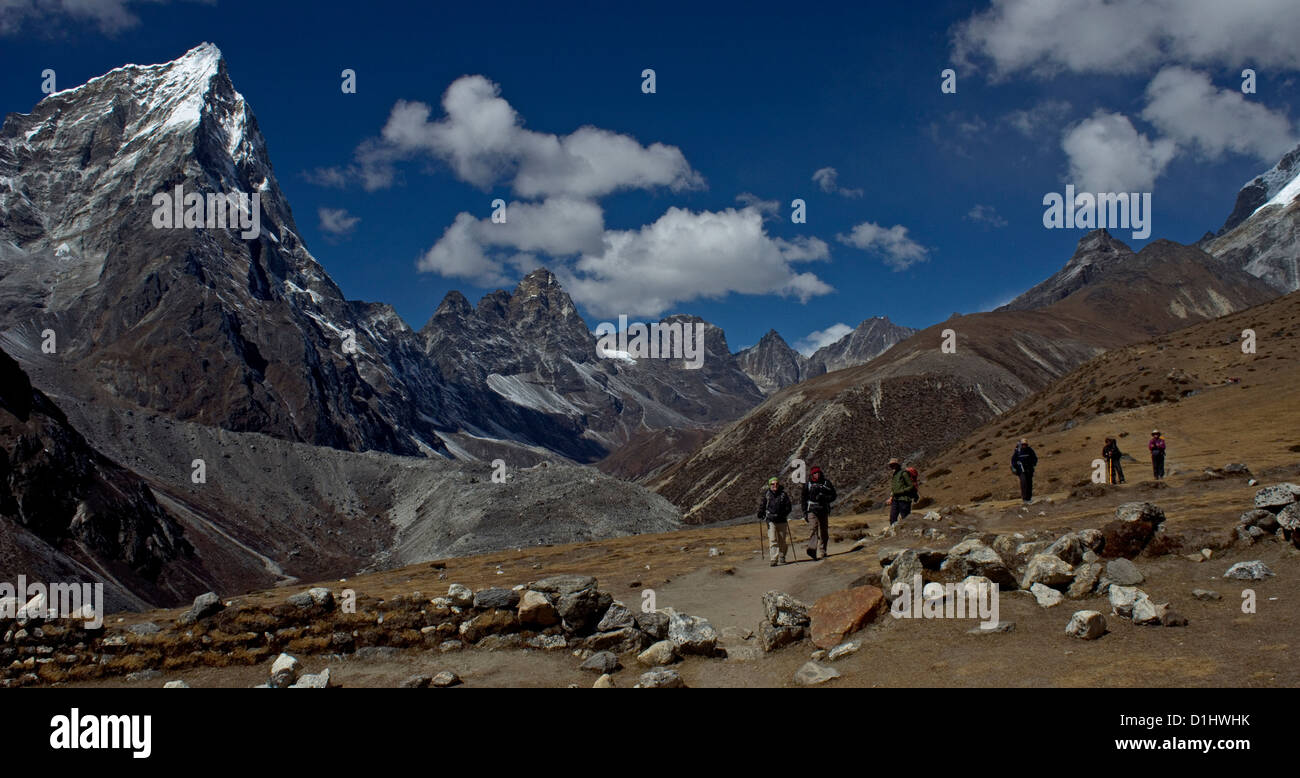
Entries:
{"x":816,"y":498}
{"x":1111,"y":453}
{"x":902,"y":491}
{"x":1157,"y":448}
{"x":774,"y":508}
{"x":1023,"y":462}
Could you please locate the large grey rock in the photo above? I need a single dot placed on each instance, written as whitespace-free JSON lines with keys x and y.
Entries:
{"x":1068,"y":548}
{"x":1289,"y":518}
{"x":1045,"y":595}
{"x":493,"y":622}
{"x":319,"y":680}
{"x":284,"y":671}
{"x":691,"y":634}
{"x":770,"y":638}
{"x":496,"y":598}
{"x":1123,"y":572}
{"x":564,"y":584}
{"x":620,"y":641}
{"x":1140,"y":511}
{"x":782,"y":610}
{"x":1047,"y":570}
{"x":812,"y":674}
{"x":653,"y":623}
{"x":1086,"y":625}
{"x":535,"y":609}
{"x":460,"y":595}
{"x":1147,"y":612}
{"x":444,"y":679}
{"x":904,"y":569}
{"x":973,"y":557}
{"x":1093,"y":539}
{"x":1085,"y":580}
{"x":204,"y":605}
{"x":661,"y":678}
{"x":1123,"y":599}
{"x":1277,"y":496}
{"x":1248,"y":571}
{"x":581,"y":610}
{"x":658,"y":654}
{"x":316,"y":597}
{"x":616,"y":617}
{"x":601,"y":662}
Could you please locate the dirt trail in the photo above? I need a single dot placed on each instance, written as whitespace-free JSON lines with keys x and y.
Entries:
{"x":734,"y":599}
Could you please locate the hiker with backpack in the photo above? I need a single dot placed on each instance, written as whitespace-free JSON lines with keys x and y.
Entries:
{"x":1157,"y":448}
{"x":1023,"y":462}
{"x":816,"y":498}
{"x":902,"y":490}
{"x":1111,"y":453}
{"x":774,"y":508}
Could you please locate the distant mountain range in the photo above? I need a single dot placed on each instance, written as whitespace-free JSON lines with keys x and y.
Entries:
{"x":773,"y":364}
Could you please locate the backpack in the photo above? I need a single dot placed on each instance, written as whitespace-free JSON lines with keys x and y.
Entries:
{"x":916,"y":481}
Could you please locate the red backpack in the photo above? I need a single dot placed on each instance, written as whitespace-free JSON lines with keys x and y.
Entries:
{"x":916,"y":481}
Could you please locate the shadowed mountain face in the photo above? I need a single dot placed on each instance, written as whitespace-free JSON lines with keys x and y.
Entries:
{"x":772,"y":363}
{"x":1262,"y":235}
{"x":67,"y":511}
{"x":917,"y":398}
{"x":241,"y":328}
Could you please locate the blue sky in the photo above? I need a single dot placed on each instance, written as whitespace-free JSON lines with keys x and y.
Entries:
{"x":936,"y":202}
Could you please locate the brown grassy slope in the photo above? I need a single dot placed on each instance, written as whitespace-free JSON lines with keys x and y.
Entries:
{"x":1178,"y":383}
{"x":914,"y":401}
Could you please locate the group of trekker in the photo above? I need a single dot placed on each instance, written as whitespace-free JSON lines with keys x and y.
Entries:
{"x":815,"y":498}
{"x":1112,"y":455}
{"x":1024,"y":460}
{"x":818,"y":493}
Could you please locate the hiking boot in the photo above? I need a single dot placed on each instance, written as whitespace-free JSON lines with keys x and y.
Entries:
{"x":773,"y":563}
{"x":812,"y":555}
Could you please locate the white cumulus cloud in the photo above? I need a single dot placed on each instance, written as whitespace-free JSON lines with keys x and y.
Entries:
{"x":337,"y":221}
{"x":1191,"y":111}
{"x":827,"y":178}
{"x":892,"y":244}
{"x":1108,"y":154}
{"x":1045,"y":37}
{"x":481,"y":138}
